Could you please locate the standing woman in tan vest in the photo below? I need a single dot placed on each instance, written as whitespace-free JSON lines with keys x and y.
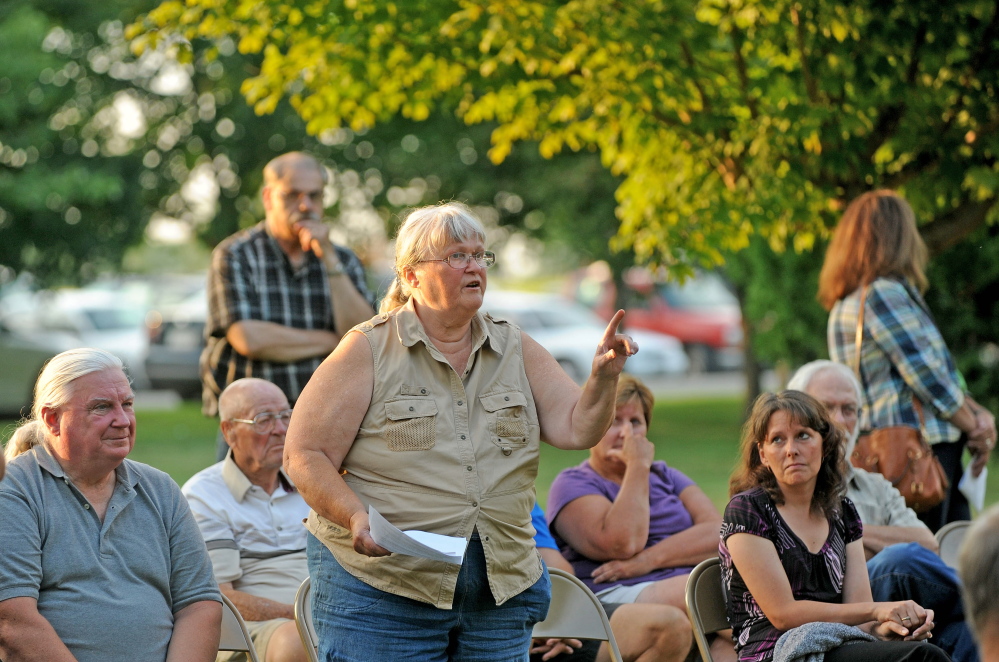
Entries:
{"x":432,"y":413}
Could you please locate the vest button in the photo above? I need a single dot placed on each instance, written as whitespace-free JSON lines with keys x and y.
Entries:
{"x":506,"y":397}
{"x":459,"y":403}
{"x":507,"y":451}
{"x":475,"y":504}
{"x":468,"y":468}
{"x":411,"y":409}
{"x":462,"y":436}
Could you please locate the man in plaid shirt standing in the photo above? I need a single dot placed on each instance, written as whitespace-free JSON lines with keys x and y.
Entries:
{"x":280,"y":294}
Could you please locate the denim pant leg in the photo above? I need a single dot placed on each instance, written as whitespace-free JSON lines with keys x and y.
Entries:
{"x":487,"y":631}
{"x":909,"y":571}
{"x":356,"y":622}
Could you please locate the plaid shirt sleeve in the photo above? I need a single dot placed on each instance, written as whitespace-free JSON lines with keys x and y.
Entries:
{"x":230,"y":290}
{"x":355,"y":271}
{"x":910,"y":339}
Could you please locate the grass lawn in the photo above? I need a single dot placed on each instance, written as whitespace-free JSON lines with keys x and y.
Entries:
{"x":699,"y":437}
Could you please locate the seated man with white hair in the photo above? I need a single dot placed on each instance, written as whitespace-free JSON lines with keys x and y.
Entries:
{"x":902,"y":552}
{"x":251,"y":517}
{"x":101,"y":559}
{"x":978,"y":566}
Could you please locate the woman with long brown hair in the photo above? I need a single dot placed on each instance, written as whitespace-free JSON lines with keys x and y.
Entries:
{"x":876,"y":255}
{"x":792,"y":552}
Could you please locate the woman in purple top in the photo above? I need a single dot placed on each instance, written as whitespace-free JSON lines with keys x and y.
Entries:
{"x":791,"y":543}
{"x":632,"y":528}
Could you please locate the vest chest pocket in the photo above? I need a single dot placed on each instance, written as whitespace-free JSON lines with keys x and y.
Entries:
{"x":508,"y":425}
{"x":411,"y":424}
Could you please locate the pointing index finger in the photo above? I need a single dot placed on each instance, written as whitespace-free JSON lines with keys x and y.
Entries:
{"x":611,"y":330}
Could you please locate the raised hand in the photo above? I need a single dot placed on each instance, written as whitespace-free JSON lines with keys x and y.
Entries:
{"x":636,"y":450}
{"x":314,"y":236}
{"x":613,"y":350}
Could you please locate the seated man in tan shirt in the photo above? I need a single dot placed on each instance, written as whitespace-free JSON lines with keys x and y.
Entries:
{"x":251,"y":517}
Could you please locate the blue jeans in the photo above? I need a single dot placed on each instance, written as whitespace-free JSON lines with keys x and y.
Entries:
{"x":356,"y":622}
{"x":909,"y":571}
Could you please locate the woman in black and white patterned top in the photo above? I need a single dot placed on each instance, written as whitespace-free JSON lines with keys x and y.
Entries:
{"x":791,"y":543}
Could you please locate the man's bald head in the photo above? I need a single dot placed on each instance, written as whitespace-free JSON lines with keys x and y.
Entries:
{"x":242,"y":395}
{"x":279,"y":166}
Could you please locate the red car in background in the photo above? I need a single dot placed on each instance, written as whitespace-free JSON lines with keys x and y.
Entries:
{"x":702,"y":312}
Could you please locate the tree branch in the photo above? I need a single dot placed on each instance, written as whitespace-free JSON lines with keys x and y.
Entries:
{"x":949,"y":229}
{"x":689,"y":57}
{"x":740,"y":66}
{"x":806,"y":72}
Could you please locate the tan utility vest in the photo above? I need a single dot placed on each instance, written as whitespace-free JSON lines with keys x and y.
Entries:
{"x":445,"y":453}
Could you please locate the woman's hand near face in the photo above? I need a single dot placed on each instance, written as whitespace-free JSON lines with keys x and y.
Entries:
{"x":636,"y":451}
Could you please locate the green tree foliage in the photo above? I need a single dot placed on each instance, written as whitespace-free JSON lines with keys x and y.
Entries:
{"x":60,"y":212}
{"x":95,"y":141}
{"x":722,"y":118}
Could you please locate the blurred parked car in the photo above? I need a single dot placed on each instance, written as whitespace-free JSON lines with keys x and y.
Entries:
{"x":87,"y":318}
{"x":22,"y":359}
{"x":570,"y":332}
{"x":176,"y":337}
{"x":701,"y":312}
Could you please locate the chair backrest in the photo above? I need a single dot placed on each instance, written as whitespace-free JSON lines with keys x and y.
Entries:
{"x":303,"y":620}
{"x":949,"y":538}
{"x":234,"y":634}
{"x":706,"y":603}
{"x":575,"y":613}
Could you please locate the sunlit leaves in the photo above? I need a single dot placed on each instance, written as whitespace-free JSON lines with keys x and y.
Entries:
{"x":724,"y":118}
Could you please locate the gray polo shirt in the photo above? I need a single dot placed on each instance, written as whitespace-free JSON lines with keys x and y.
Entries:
{"x":110,"y":590}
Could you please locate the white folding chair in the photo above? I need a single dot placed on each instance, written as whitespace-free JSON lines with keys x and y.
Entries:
{"x":949,"y":538}
{"x":303,"y":620}
{"x":234,"y":634}
{"x":575,"y":613}
{"x":706,"y":603}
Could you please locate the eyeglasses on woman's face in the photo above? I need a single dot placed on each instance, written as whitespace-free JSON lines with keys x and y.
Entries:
{"x":263,"y":423}
{"x":459,"y":260}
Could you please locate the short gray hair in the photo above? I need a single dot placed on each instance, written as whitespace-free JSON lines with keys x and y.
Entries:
{"x":54,"y":389}
{"x":277,"y":167}
{"x":425,"y":230}
{"x":806,"y":373}
{"x":978,"y":566}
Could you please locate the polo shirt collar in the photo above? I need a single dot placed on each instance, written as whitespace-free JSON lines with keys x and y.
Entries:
{"x":123,"y":472}
{"x":411,"y":330}
{"x":237,"y":482}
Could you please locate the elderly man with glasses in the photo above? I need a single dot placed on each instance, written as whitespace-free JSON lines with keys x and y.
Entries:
{"x":251,"y":516}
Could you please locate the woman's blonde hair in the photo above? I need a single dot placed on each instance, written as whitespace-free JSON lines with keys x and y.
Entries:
{"x":425,"y":231}
{"x":54,"y":389}
{"x":876,"y":237}
{"x":632,"y":388}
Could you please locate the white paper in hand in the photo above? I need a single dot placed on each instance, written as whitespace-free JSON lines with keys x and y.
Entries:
{"x":415,"y":543}
{"x":973,"y":487}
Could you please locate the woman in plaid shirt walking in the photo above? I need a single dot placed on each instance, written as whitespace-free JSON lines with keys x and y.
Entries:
{"x":903,"y":357}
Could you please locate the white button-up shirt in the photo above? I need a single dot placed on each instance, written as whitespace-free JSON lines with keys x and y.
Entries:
{"x":255,"y":540}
